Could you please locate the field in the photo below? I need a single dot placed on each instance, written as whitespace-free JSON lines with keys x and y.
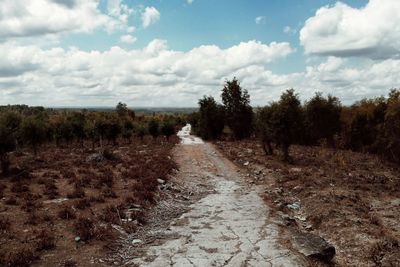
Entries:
{"x":350,"y":199}
{"x":67,"y":205}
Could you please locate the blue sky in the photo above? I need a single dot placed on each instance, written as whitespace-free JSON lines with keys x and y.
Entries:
{"x":99,"y":52}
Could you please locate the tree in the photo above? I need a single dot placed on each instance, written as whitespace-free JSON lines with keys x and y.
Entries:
{"x":33,"y":132}
{"x":322,"y":115}
{"x":127,"y":130}
{"x":9,"y":124}
{"x":392,"y":126}
{"x":211,"y":118}
{"x":153,"y":129}
{"x":113,"y":129}
{"x":122,"y":109}
{"x":78,"y":122}
{"x":167,"y":129}
{"x":264,"y":133}
{"x":282,"y":122}
{"x":238,"y":112}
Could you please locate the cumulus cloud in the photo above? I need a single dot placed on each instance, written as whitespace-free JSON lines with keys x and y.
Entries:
{"x":31,"y":18}
{"x":144,"y":77}
{"x":150,"y":16}
{"x":119,"y":10}
{"x":128,"y":39}
{"x":260,"y":20}
{"x":340,"y":30}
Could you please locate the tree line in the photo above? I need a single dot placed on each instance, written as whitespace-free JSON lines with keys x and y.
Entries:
{"x":369,"y":125}
{"x":23,"y":126}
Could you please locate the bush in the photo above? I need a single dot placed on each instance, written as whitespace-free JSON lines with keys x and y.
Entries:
{"x":85,"y":228}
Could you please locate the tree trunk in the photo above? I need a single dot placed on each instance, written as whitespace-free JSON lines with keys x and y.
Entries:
{"x":5,"y":163}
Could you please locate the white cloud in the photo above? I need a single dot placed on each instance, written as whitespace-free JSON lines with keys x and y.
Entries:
{"x":128,"y":39}
{"x":150,"y":16}
{"x":19,"y":18}
{"x":190,"y":2}
{"x":130,"y":29}
{"x":152,"y":76}
{"x":340,"y":30}
{"x":260,"y":20}
{"x":119,"y":10}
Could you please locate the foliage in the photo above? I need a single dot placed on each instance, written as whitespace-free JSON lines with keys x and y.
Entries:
{"x":153,"y":128}
{"x":211,"y":118}
{"x":322,"y":118}
{"x":282,"y":123}
{"x":238,"y":112}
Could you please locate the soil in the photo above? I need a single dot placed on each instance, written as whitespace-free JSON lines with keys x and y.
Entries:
{"x":350,"y":199}
{"x":67,"y":206}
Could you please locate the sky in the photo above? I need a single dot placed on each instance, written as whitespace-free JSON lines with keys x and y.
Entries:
{"x":170,"y":53}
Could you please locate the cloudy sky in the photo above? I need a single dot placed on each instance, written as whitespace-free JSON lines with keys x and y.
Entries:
{"x":172,"y":52}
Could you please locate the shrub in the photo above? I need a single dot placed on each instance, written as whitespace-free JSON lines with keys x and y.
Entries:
{"x":66,"y":213}
{"x":85,"y":228}
{"x":21,"y":257}
{"x":46,"y":241}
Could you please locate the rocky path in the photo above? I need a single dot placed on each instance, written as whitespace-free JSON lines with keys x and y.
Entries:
{"x":228,"y":227}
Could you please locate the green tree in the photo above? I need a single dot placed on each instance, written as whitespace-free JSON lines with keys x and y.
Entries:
{"x":238,"y":112}
{"x":153,"y":128}
{"x":322,"y":115}
{"x":283,"y":122}
{"x":9,"y":125}
{"x":167,"y":129}
{"x":211,"y":118}
{"x":34,"y":132}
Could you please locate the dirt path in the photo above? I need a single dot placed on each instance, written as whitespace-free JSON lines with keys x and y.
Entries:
{"x":228,"y":227}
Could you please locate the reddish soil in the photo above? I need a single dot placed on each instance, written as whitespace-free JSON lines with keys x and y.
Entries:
{"x":60,"y":194}
{"x":350,"y":199}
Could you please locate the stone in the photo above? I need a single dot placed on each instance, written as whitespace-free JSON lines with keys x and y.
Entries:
{"x":313,"y":246}
{"x":294,"y":206}
{"x":136,"y":241}
{"x":295,"y":170}
{"x":161,"y":181}
{"x":96,"y":157}
{"x":246,"y":163}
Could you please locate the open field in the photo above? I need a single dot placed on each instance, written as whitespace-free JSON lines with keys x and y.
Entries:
{"x":350,"y":199}
{"x":64,"y":207}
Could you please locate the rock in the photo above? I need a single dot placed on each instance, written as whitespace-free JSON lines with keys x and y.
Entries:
{"x":300,"y":218}
{"x":295,"y":170}
{"x":136,"y":241}
{"x":313,"y":246}
{"x":294,"y":206}
{"x":96,"y":157}
{"x":279,"y":190}
{"x":246,"y":163}
{"x":161,"y":181}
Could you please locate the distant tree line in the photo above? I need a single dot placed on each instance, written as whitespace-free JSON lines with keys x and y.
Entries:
{"x":369,"y":125}
{"x":22,"y":126}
